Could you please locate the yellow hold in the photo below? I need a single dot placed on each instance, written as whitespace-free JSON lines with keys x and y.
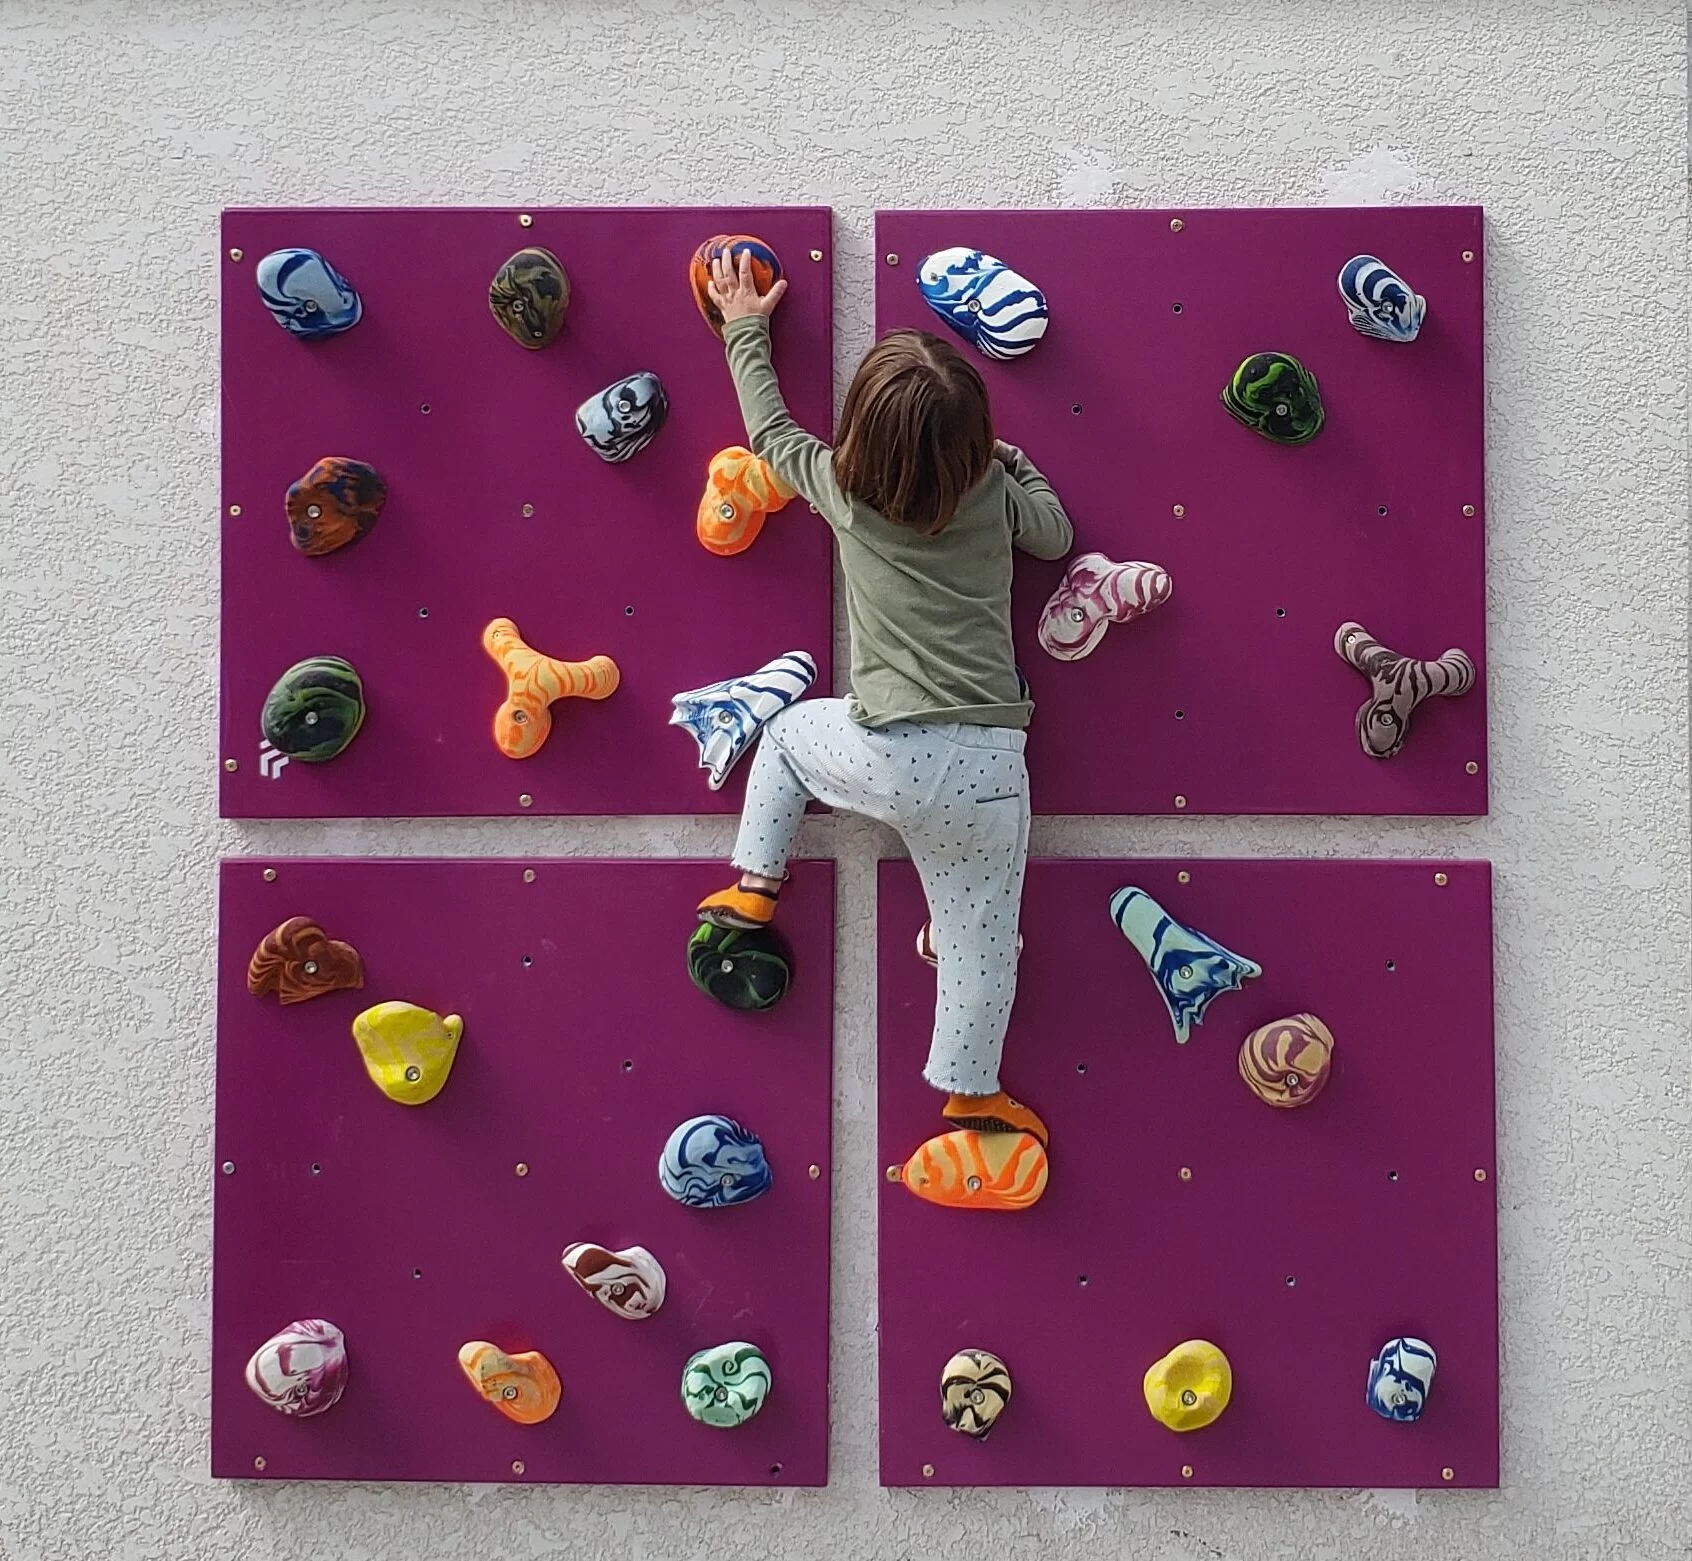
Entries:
{"x":407,"y":1050}
{"x":1190,"y":1386}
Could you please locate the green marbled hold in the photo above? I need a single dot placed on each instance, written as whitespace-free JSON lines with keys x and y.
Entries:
{"x":740,"y":969}
{"x":1273,"y":393}
{"x":315,"y":710}
{"x":726,"y":1386}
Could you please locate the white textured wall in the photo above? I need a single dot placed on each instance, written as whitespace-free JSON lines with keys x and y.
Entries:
{"x":124,"y":128}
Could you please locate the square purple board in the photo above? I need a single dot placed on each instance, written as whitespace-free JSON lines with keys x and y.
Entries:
{"x":584,"y":1044}
{"x":606,"y":563}
{"x":1382,"y":1220}
{"x":1231,"y":697}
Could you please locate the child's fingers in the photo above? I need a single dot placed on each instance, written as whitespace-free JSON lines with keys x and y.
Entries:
{"x":746,"y":270}
{"x":721,"y":274}
{"x":773,"y":296}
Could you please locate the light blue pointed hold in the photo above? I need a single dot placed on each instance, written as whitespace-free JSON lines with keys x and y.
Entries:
{"x":1380,"y":301}
{"x":726,"y":718}
{"x":1189,"y":968}
{"x":711,"y":1162}
{"x":306,"y":295}
{"x":997,"y":311}
{"x":1400,"y":1378}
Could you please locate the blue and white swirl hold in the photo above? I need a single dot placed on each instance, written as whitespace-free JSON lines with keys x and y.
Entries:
{"x":306,"y":295}
{"x":711,"y":1162}
{"x":996,"y":310}
{"x":725,"y":718}
{"x":1400,"y":1377}
{"x":1379,"y":300}
{"x":1189,"y":968}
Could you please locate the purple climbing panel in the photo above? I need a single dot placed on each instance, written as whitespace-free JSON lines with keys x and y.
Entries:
{"x":1182,"y":1207}
{"x":497,"y":508}
{"x":418,"y":1229}
{"x":1230,"y":698}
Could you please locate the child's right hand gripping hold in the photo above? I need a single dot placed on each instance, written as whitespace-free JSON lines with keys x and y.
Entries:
{"x":734,"y":292}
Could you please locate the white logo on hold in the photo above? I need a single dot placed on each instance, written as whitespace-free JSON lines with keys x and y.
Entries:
{"x":272,"y":761}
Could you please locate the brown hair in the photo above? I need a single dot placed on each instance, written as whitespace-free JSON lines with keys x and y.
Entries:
{"x":915,"y":433}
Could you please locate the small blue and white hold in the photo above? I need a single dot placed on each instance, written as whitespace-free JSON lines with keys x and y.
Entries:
{"x":1380,"y":300}
{"x":995,"y":309}
{"x":1400,"y":1377}
{"x":306,"y":295}
{"x":725,"y":718}
{"x":1189,"y":968}
{"x":712,"y":1162}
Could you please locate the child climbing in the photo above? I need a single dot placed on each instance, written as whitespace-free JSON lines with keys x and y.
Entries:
{"x":925,"y":507}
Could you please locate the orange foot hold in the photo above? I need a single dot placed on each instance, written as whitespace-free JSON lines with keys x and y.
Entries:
{"x":971,"y":1170}
{"x":523,"y":1387}
{"x":740,"y":492}
{"x":533,"y":682}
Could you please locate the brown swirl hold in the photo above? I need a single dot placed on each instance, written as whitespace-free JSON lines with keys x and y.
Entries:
{"x":297,"y":962}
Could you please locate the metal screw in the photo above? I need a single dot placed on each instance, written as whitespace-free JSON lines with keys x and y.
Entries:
{"x":528,"y":875}
{"x":1180,"y":802}
{"x":928,"y":1471}
{"x":270,"y":875}
{"x":1176,"y":224}
{"x":232,"y":764}
{"x":1186,"y":1471}
{"x":524,"y":220}
{"x":1183,"y":877}
{"x":1448,"y":1474}
{"x":1468,"y":509}
{"x":528,"y":510}
{"x":1472,"y":767}
{"x":525,"y":801}
{"x":1186,"y":1173}
{"x":892,"y":260}
{"x":228,"y":1167}
{"x":413,"y":1074}
{"x":1188,"y":1397}
{"x":1468,"y":255}
{"x":516,"y":1465}
{"x":816,"y":254}
{"x":1480,"y":1176}
{"x":1441,"y":879}
{"x":235,"y":509}
{"x":1179,"y":511}
{"x":814,"y":1172}
{"x":258,"y":1463}
{"x":892,"y":1173}
{"x":234,"y":254}
{"x":521,"y":1168}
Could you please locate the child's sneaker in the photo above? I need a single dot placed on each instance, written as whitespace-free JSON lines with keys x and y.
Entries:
{"x":993,"y":1114}
{"x":739,"y":907}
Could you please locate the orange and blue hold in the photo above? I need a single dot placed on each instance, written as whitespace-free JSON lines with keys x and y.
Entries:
{"x":533,"y":682}
{"x":766,"y":270}
{"x":971,"y":1170}
{"x":741,"y":491}
{"x":335,"y":503}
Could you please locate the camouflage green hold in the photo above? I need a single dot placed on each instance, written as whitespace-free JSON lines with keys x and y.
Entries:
{"x":1275,"y":394}
{"x":740,"y":969}
{"x":315,"y":710}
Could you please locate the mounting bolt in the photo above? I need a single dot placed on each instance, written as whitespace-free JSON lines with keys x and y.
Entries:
{"x":258,"y":1463}
{"x":1186,"y":1471}
{"x":525,"y":801}
{"x":270,"y":875}
{"x":1179,"y":510}
{"x":524,"y":220}
{"x":814,"y":1172}
{"x":528,"y":875}
{"x":1186,"y":1173}
{"x":1441,"y":879}
{"x":892,"y":1173}
{"x":1176,"y":224}
{"x":521,"y":1168}
{"x":1480,"y":1176}
{"x":816,"y":254}
{"x":1448,"y":1474}
{"x":232,"y":764}
{"x":1180,"y":801}
{"x":928,"y":1471}
{"x":1468,"y":256}
{"x":228,"y":1167}
{"x":1468,"y":509}
{"x":516,"y":1465}
{"x":892,"y":260}
{"x":234,"y":254}
{"x":235,"y":509}
{"x":1183,"y":876}
{"x":1472,"y":767}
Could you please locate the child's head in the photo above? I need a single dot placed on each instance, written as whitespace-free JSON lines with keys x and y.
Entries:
{"x":915,"y":433}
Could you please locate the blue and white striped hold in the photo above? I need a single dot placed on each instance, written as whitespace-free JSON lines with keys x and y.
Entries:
{"x":1189,"y":968}
{"x":1380,"y":300}
{"x":306,"y":295}
{"x":999,"y":312}
{"x":711,"y":1162}
{"x":1400,"y":1377}
{"x":725,"y":718}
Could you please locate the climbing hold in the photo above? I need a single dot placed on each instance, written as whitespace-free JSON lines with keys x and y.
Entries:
{"x":1397,"y":686}
{"x":315,"y":709}
{"x":1380,"y":301}
{"x":1093,"y":594}
{"x":974,"y":1389}
{"x":740,"y":967}
{"x":766,"y":270}
{"x":629,"y":1283}
{"x":711,"y":1162}
{"x":297,"y":962}
{"x":1190,"y":1386}
{"x":725,"y":1386}
{"x":1400,"y":1377}
{"x":306,"y":295}
{"x":1189,"y":968}
{"x":624,"y":418}
{"x":997,"y":311}
{"x":966,"y":1169}
{"x":302,"y":1370}
{"x":408,"y":1051}
{"x":1286,"y":1063}
{"x":335,"y":503}
{"x":725,"y":718}
{"x":930,"y":956}
{"x":1275,"y":394}
{"x":741,"y":492}
{"x":533,"y":682}
{"x":523,"y":1387}
{"x":528,"y":296}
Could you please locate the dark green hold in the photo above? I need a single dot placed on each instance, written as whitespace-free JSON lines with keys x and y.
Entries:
{"x":1275,"y":394}
{"x":315,"y":710}
{"x":744,"y":970}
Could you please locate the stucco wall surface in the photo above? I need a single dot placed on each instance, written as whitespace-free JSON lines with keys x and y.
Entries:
{"x":126,"y":127}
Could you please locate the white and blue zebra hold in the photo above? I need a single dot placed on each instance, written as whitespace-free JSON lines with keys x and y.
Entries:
{"x":995,"y":309}
{"x":712,"y":1162}
{"x":624,"y":418}
{"x":725,"y":718}
{"x":1189,"y":968}
{"x":306,"y":295}
{"x":1380,"y":300}
{"x":1400,"y":1377}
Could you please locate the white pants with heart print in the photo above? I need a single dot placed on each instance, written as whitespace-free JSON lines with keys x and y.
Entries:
{"x":958,"y":796}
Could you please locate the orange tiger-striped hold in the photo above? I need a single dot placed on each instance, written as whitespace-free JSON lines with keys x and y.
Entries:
{"x":741,"y":492}
{"x":973,"y":1170}
{"x":533,"y":682}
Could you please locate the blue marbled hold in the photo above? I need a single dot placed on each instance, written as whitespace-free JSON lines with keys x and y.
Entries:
{"x":1380,"y":301}
{"x":711,"y":1162}
{"x":1400,"y":1378}
{"x":997,"y":311}
{"x":306,"y":295}
{"x":725,"y":718}
{"x":624,"y":418}
{"x":1189,"y":968}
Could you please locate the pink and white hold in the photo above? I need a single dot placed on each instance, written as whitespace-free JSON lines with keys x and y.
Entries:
{"x":1095,"y":593}
{"x":302,"y":1370}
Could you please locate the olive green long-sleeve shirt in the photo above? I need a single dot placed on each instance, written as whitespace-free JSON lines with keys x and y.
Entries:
{"x":929,"y":615}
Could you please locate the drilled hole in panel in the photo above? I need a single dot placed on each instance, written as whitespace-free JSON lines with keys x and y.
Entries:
{"x":1081,"y":1279}
{"x":1280,"y":612}
{"x":1176,"y":308}
{"x":1076,"y":409}
{"x":528,"y":959}
{"x":628,"y":612}
{"x":422,"y":612}
{"x":1080,"y":1067}
{"x":1392,"y":964}
{"x":628,"y":1065}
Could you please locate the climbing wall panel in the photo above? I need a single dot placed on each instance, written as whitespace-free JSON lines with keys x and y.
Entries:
{"x":1181,"y":1207}
{"x":1230,"y":698}
{"x":497,"y":508}
{"x":416,"y":1229}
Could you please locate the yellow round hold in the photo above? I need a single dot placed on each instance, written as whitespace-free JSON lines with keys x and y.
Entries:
{"x":1190,"y":1386}
{"x":408,"y":1051}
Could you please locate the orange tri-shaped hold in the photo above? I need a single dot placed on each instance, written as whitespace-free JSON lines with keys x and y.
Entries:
{"x":523,"y":1387}
{"x":740,"y":491}
{"x":968,"y":1169}
{"x":533,"y":682}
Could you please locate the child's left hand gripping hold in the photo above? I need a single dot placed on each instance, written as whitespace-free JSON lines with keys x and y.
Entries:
{"x":734,"y":292}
